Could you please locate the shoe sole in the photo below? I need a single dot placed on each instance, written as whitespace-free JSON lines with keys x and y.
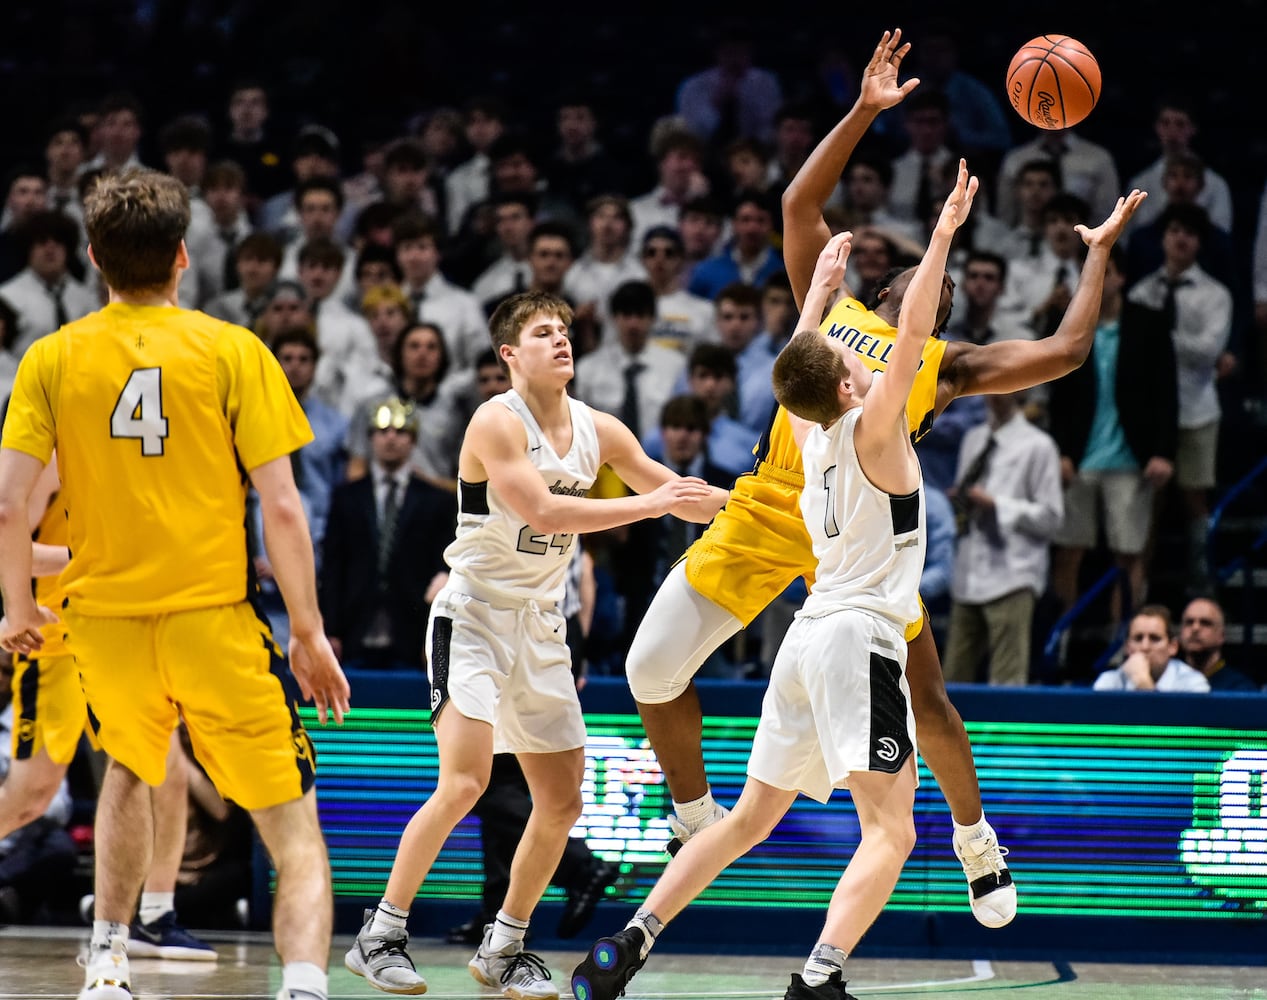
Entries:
{"x":106,"y":993}
{"x":602,"y":958}
{"x":172,"y":953}
{"x":352,"y":962}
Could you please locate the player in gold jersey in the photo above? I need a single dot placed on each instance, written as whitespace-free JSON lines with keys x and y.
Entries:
{"x":159,"y":417}
{"x":757,"y":545}
{"x":51,"y":714}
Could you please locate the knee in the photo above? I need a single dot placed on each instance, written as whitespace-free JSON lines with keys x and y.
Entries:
{"x":29,"y":800}
{"x":562,"y":811}
{"x":647,"y":681}
{"x":751,"y":826}
{"x":463,"y":789}
{"x":896,"y":835}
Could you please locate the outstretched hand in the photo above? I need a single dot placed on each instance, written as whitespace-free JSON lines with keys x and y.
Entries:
{"x":321,"y":679}
{"x":880,"y":89}
{"x":829,"y":269}
{"x":954,"y":211}
{"x":1108,"y":231}
{"x":679,"y":494}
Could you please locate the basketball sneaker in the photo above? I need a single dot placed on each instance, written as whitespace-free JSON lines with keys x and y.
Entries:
{"x":165,"y":938}
{"x":833,"y":989}
{"x":519,"y":974}
{"x":106,"y":969}
{"x":682,"y":833}
{"x":990,"y":890}
{"x":383,"y":960}
{"x":610,"y":964}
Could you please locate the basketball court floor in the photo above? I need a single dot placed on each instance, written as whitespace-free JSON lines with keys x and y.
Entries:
{"x":41,"y":963}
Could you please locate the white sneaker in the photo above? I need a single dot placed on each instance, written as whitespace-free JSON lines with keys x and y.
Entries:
{"x":682,"y":833}
{"x":991,"y":892}
{"x":519,"y":974}
{"x":107,"y":975}
{"x":383,"y":961}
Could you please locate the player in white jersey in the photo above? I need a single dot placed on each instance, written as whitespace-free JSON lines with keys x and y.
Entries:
{"x":838,"y":710}
{"x":497,"y":654}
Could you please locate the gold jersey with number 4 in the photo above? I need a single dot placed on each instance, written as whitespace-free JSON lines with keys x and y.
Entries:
{"x":156,"y":414}
{"x":757,"y":544}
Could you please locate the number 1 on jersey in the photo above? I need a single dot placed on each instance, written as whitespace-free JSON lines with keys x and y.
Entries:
{"x":139,"y":411}
{"x":830,"y":527}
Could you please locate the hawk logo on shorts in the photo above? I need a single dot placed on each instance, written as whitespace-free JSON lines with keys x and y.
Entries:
{"x":435,"y":698}
{"x":887,"y":749}
{"x":303,"y":747}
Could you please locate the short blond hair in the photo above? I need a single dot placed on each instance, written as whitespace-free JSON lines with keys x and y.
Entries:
{"x":509,"y":318}
{"x":807,"y":375}
{"x":136,"y":220}
{"x":386,"y":295}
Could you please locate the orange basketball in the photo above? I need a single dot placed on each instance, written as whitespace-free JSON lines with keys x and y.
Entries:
{"x":1053,"y":81}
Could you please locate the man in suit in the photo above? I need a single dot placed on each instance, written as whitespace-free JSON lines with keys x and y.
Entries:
{"x":1115,"y":420}
{"x":384,"y":545}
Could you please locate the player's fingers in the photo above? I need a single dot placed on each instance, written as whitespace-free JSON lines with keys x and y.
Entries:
{"x":910,"y":85}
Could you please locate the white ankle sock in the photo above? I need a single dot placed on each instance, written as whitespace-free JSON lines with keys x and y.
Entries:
{"x":980,"y":828}
{"x":154,"y":905}
{"x":695,"y":813}
{"x":506,"y":930}
{"x":304,"y":980}
{"x":103,"y":931}
{"x":650,"y":925}
{"x":388,"y":918}
{"x":824,"y":960}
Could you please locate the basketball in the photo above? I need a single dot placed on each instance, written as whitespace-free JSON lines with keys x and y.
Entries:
{"x":1053,"y":81}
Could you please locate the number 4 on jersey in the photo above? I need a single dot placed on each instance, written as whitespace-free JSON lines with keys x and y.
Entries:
{"x":139,"y":411}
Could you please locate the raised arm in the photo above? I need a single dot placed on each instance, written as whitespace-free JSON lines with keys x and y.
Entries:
{"x":643,"y":474}
{"x":1012,"y":365}
{"x":804,"y":229}
{"x":496,"y":450}
{"x":886,"y":401}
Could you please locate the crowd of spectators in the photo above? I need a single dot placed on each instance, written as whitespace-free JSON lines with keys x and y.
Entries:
{"x":366,"y":223}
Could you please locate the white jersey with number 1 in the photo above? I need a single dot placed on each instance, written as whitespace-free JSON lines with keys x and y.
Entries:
{"x":868,"y":543}
{"x":496,"y":548}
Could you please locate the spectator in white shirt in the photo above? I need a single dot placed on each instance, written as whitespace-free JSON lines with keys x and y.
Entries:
{"x":43,"y":294}
{"x":630,"y":378}
{"x":1175,"y":125}
{"x":682,"y":319}
{"x":454,"y":310}
{"x":1087,"y":170}
{"x":347,"y":345}
{"x":679,"y":169}
{"x":607,"y":262}
{"x":318,"y":202}
{"x":1008,"y":504}
{"x":1198,"y":309}
{"x":1151,"y":662}
{"x":513,"y":215}
{"x":484,"y":120}
{"x":257,"y":259}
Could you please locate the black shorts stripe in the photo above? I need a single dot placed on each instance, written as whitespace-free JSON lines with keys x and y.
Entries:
{"x":305,"y":752}
{"x":890,"y":741}
{"x":441,"y":639}
{"x":29,"y":692}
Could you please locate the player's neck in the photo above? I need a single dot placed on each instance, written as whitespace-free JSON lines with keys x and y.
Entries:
{"x":150,"y":297}
{"x":548,"y":404}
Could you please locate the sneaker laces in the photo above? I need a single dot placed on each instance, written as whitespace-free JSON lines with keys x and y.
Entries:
{"x":527,"y":962}
{"x":390,"y":943}
{"x":988,"y":861}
